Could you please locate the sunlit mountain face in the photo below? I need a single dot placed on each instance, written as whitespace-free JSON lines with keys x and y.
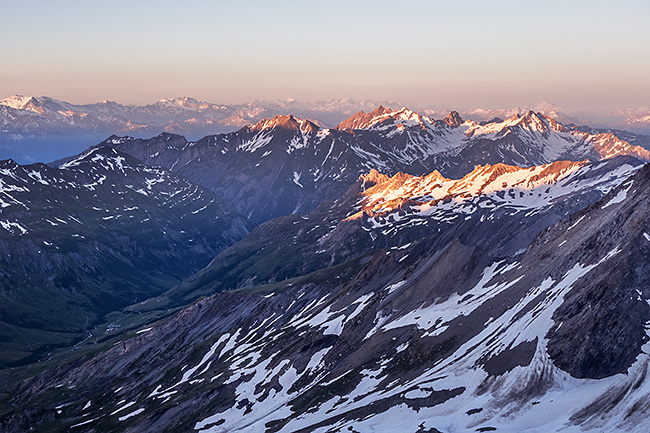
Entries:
{"x":389,"y":270}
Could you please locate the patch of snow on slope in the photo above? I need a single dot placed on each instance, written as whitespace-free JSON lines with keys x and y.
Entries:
{"x":12,"y":226}
{"x":206,"y":357}
{"x":132,"y":414}
{"x":296,"y":179}
{"x":619,"y":197}
{"x":257,"y":142}
{"x":426,"y":317}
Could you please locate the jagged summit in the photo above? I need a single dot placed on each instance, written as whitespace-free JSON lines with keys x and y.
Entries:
{"x":530,"y":121}
{"x":535,"y":121}
{"x":380,"y":111}
{"x":453,"y":119}
{"x":285,"y":122}
{"x":382,"y":117}
{"x":372,"y":178}
{"x":8,"y":163}
{"x":362,"y":119}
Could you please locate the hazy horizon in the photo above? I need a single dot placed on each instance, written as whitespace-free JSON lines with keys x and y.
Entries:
{"x":394,"y":104}
{"x":579,"y":55}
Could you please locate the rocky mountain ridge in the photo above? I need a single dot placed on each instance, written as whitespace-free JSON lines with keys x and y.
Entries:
{"x":498,"y":208}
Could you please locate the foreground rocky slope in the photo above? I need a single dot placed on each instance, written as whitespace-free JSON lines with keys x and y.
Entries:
{"x":434,"y":335}
{"x":98,"y":233}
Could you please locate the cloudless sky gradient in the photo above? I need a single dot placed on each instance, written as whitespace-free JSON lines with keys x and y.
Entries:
{"x":578,"y":54}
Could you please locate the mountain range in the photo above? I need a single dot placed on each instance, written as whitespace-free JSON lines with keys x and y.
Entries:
{"x":392,"y":273}
{"x":438,"y":333}
{"x":42,"y":129}
{"x":290,"y":165}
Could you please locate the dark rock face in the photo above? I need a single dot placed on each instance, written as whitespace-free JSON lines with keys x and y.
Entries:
{"x":256,"y":169}
{"x":600,"y":327}
{"x":520,"y":355}
{"x":604,"y":329}
{"x":102,"y":232}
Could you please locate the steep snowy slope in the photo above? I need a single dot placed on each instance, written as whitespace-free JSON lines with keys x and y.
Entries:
{"x":98,"y":233}
{"x":427,"y":336}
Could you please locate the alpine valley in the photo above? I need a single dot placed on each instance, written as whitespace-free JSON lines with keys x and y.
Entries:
{"x":395,"y":273}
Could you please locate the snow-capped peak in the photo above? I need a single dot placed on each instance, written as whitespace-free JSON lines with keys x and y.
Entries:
{"x":42,"y":105}
{"x":406,"y":115}
{"x":16,"y":101}
{"x":182,"y":101}
{"x":20,"y":102}
{"x":264,"y":131}
{"x":402,"y":118}
{"x":531,"y":122}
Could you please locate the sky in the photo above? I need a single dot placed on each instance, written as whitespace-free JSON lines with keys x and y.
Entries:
{"x":456,"y":53}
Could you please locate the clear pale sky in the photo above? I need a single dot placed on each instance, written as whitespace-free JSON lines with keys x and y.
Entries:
{"x":578,"y":54}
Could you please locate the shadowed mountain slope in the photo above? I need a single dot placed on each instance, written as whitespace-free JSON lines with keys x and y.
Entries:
{"x":98,"y":233}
